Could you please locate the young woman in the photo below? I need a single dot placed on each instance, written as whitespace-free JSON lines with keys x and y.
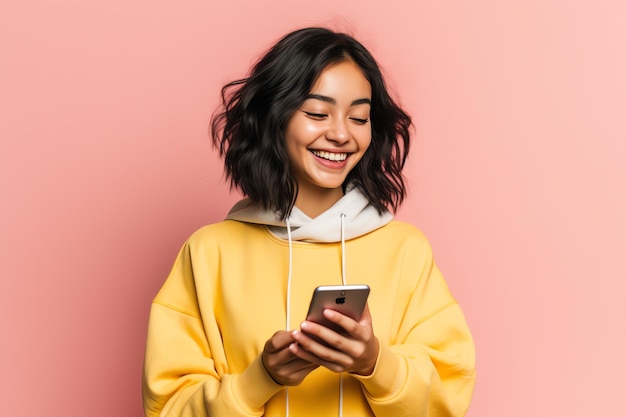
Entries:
{"x":317,"y":145}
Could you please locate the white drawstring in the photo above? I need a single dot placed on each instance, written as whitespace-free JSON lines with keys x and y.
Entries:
{"x":343,"y":249}
{"x":288,"y":319}
{"x":343,"y":280}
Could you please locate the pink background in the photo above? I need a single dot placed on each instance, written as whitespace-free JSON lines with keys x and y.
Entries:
{"x":518,"y":176}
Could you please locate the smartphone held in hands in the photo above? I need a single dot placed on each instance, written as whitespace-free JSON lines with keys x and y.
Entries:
{"x":348,"y":300}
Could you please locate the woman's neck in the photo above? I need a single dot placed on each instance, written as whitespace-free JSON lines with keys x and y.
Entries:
{"x":314,"y":202}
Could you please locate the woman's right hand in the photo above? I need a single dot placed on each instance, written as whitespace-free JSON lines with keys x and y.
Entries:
{"x":281,"y":364}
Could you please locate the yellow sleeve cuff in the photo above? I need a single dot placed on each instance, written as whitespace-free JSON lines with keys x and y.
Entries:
{"x":254,"y":387}
{"x":387,"y":378}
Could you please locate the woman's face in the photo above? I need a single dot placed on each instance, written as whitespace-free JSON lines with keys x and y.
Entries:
{"x":328,"y":135}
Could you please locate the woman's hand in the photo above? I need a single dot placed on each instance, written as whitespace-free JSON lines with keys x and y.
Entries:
{"x":355,"y":352}
{"x":281,"y":364}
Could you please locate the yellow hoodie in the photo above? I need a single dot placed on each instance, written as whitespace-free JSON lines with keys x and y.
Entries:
{"x":226,"y":295}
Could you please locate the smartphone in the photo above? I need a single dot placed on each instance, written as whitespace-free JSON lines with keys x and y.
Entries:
{"x":346,"y":299}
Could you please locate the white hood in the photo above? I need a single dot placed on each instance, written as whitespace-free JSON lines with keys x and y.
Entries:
{"x":360,"y":218}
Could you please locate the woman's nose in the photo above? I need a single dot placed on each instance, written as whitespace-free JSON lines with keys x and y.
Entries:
{"x":338,"y":132}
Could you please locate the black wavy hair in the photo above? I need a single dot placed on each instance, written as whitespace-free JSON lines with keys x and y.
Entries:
{"x":248,"y":129}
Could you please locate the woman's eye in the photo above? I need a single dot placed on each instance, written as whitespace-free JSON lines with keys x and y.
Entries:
{"x":317,"y":116}
{"x":359,"y":121}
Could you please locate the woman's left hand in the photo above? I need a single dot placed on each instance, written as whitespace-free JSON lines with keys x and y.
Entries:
{"x":355,"y":352}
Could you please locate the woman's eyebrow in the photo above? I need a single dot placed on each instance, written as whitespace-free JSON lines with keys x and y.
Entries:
{"x":361,"y":101}
{"x":333,"y":101}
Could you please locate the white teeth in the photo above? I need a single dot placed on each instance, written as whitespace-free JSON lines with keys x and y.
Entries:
{"x":337,"y":157}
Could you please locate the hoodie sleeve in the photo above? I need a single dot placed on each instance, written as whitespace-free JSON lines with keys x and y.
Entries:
{"x":180,"y":376}
{"x":428,"y":369}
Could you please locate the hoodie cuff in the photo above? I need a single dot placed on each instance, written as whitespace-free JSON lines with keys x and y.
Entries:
{"x":255,"y":387}
{"x":387,"y":378}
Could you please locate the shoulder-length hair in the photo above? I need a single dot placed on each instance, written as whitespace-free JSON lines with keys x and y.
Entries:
{"x":248,"y":130}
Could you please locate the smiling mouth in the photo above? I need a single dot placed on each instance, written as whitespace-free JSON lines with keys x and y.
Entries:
{"x":330,"y":156}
